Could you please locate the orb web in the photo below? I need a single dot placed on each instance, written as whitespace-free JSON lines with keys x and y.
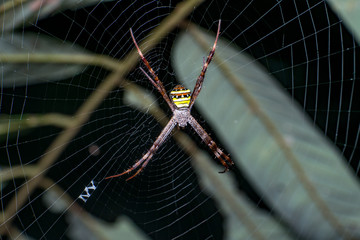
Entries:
{"x":76,"y":108}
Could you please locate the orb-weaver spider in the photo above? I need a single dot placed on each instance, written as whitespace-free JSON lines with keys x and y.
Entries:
{"x":180,"y":104}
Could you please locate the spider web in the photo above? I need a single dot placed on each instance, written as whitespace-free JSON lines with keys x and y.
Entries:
{"x":75,"y":108}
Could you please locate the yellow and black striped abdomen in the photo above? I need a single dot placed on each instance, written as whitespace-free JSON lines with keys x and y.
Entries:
{"x":180,"y":96}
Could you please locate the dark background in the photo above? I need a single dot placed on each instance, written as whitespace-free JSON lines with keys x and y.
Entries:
{"x":300,"y":40}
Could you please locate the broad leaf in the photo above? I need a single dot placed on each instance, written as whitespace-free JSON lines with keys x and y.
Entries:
{"x":290,"y":162}
{"x":20,"y":74}
{"x":16,"y":14}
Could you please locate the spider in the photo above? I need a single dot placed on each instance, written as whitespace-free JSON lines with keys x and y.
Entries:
{"x":180,"y":104}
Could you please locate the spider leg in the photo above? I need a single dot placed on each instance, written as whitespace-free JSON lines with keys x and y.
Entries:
{"x":147,"y":156}
{"x":224,"y":159}
{"x":151,"y":80}
{"x":155,"y":80}
{"x":201,"y":77}
{"x":141,"y":168}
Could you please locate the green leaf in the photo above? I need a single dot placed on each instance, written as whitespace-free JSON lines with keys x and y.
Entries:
{"x":291,"y":163}
{"x":19,"y":13}
{"x":349,"y":12}
{"x":28,"y":73}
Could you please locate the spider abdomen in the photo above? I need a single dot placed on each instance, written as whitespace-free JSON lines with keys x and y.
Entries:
{"x":180,"y":96}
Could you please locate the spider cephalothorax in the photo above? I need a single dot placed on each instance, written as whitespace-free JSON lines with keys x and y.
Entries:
{"x":180,"y":104}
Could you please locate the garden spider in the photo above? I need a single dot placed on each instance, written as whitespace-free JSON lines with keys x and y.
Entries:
{"x":180,"y":104}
